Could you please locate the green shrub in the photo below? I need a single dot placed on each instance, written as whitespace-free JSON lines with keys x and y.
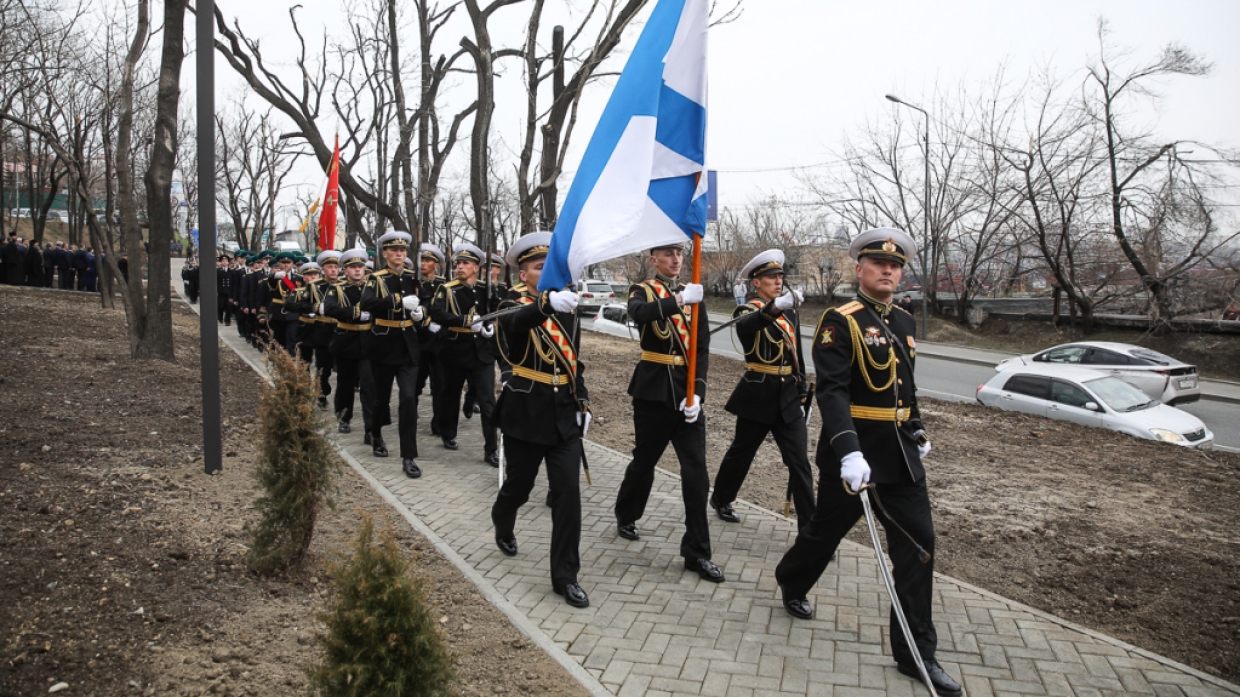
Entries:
{"x":381,"y":638}
{"x":297,"y":467}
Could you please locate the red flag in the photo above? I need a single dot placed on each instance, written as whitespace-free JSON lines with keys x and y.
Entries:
{"x":327,"y":220}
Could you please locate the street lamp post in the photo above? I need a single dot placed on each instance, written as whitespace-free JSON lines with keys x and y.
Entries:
{"x":925,"y":295}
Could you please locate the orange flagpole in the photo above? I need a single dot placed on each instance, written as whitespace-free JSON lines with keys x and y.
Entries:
{"x":693,"y":322}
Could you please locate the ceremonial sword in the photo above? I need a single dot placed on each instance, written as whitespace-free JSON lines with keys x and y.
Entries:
{"x":887,"y":580}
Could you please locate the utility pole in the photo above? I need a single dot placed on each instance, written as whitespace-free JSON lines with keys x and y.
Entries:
{"x":212,"y":441}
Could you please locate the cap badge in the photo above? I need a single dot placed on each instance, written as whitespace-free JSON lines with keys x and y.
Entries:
{"x":889,"y":245}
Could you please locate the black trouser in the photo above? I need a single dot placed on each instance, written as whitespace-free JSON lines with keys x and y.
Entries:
{"x":655,"y":425}
{"x":305,"y":342}
{"x":48,"y":276}
{"x":431,"y":368}
{"x":284,"y":333}
{"x":791,"y":439}
{"x":521,"y":459}
{"x":223,"y":310}
{"x":66,"y":279}
{"x":349,"y":374}
{"x":324,"y":361}
{"x":837,"y":512}
{"x":449,"y":411}
{"x":406,"y":377}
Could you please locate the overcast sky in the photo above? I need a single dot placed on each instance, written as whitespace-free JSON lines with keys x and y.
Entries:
{"x":791,"y":77}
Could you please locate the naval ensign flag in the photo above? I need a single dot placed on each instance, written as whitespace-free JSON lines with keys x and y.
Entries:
{"x":642,"y":182}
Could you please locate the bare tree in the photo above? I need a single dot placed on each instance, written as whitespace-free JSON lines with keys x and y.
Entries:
{"x":1134,"y":163}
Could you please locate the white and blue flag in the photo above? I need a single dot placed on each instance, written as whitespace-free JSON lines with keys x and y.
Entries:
{"x":642,"y":181}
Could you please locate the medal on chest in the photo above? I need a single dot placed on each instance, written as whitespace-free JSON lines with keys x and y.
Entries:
{"x":874,"y":337}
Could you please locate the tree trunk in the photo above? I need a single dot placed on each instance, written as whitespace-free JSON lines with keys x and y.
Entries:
{"x":130,"y":231}
{"x":156,"y":340}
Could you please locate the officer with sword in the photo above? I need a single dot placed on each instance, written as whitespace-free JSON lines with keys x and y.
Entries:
{"x":543,"y":413}
{"x":873,"y":439}
{"x":773,"y":396}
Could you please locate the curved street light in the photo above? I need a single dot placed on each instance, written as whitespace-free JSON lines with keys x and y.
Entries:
{"x":925,"y":296}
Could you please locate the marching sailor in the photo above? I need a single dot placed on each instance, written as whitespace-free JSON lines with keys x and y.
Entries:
{"x":661,"y":414}
{"x":544,"y":411}
{"x":391,"y":347}
{"x":343,"y":303}
{"x":467,"y":349}
{"x":872,"y":434}
{"x":772,"y":396}
{"x":430,"y":261}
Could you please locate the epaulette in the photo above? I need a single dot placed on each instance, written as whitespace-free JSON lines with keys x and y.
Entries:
{"x":453,"y":283}
{"x":903,"y":310}
{"x":849,"y":308}
{"x":381,"y":272}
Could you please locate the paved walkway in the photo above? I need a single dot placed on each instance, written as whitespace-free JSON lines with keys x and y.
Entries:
{"x":653,"y":629}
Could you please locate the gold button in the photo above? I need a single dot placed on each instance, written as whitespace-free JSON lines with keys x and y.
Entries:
{"x":900,"y":381}
{"x":900,"y":403}
{"x":899,"y":423}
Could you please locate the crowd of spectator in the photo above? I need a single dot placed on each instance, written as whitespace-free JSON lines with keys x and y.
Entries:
{"x":58,"y":265}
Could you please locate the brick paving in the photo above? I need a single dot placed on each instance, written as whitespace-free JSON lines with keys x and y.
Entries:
{"x":654,"y":629}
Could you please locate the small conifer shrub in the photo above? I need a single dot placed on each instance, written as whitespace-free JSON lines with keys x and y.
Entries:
{"x":381,"y":639}
{"x":297,"y":467}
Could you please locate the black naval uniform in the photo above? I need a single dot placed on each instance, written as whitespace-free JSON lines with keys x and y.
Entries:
{"x":429,"y":367}
{"x":317,"y":330}
{"x":280,"y":321}
{"x":343,"y":304}
{"x":657,"y":388}
{"x":465,"y":355}
{"x":391,"y":347}
{"x":769,"y":400}
{"x":868,"y":403}
{"x":223,"y":281}
{"x":251,"y":300}
{"x":537,"y":412}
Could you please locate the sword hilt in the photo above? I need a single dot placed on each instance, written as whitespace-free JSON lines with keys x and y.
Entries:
{"x":850,"y":491}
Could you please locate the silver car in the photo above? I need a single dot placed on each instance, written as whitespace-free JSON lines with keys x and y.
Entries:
{"x":1092,"y":398}
{"x":613,"y":319}
{"x":1159,"y":376}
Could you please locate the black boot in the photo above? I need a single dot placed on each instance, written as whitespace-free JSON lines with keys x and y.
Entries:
{"x":378,"y":447}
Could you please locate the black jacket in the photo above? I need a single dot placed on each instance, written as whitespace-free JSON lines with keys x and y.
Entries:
{"x":306,"y":302}
{"x":343,"y":304}
{"x":530,"y":408}
{"x":655,"y":318}
{"x":862,"y":380}
{"x":774,"y":385}
{"x":454,"y":308}
{"x":274,"y":292}
{"x":382,"y":297}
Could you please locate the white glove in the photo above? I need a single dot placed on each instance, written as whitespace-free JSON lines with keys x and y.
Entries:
{"x":365,"y":316}
{"x":322,"y":308}
{"x":789,"y":299}
{"x":855,"y":470}
{"x":417,"y":314}
{"x":922,"y":450}
{"x":692,"y":413}
{"x":434,"y":328}
{"x":692,"y":293}
{"x":280,"y":274}
{"x":564,"y":300}
{"x":583,"y":420}
{"x":410,"y":302}
{"x":487,"y":331}
{"x":311,"y":315}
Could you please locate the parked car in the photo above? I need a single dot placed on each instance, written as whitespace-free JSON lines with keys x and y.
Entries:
{"x":594,"y":294}
{"x":1092,"y":398}
{"x":1160,"y":377}
{"x":621,"y":290}
{"x":613,"y":319}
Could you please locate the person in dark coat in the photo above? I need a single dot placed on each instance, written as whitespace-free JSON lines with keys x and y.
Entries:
{"x":544,"y":412}
{"x":872,"y":435}
{"x":466,"y":351}
{"x":661,"y":413}
{"x":343,"y":304}
{"x":92,"y":271}
{"x":391,"y":346}
{"x":64,"y":266}
{"x":14,"y":262}
{"x":123,"y":265}
{"x":277,"y":289}
{"x":49,"y":265}
{"x":34,"y":266}
{"x":429,"y":367}
{"x":772,"y":396}
{"x":79,"y":268}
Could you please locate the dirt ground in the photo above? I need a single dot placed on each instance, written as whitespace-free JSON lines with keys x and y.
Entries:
{"x":121,"y":563}
{"x":1131,"y":538}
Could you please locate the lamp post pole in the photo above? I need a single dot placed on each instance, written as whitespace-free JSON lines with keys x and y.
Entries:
{"x":925,"y":295}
